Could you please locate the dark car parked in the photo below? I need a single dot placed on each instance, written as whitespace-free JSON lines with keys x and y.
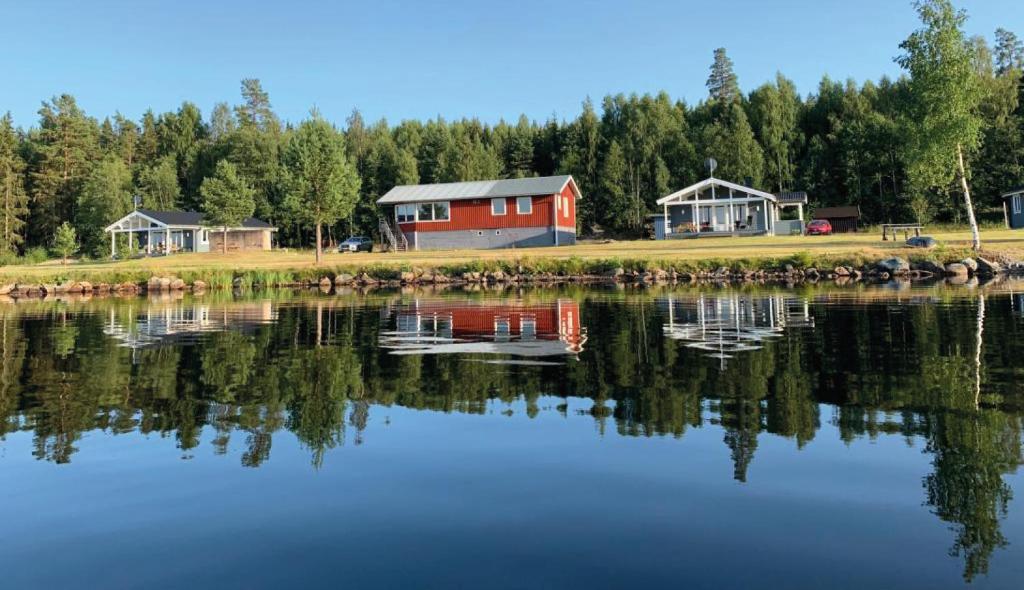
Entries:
{"x":819,"y":227}
{"x":356,"y":244}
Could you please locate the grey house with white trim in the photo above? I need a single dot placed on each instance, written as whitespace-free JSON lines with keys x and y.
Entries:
{"x":168,"y":232}
{"x":715,"y":207}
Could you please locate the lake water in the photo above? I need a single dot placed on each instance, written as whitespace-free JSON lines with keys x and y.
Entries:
{"x":601,"y":437}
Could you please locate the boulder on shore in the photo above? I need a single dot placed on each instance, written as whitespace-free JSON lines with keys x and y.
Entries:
{"x":894,"y":266}
{"x":929,"y":266}
{"x":956,"y":269}
{"x":971,"y":264}
{"x":988,"y":267}
{"x":199,"y":285}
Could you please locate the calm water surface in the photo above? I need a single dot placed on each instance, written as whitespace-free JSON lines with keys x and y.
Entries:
{"x":857,"y":438}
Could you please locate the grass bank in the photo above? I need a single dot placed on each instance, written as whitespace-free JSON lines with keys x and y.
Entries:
{"x":692,"y":255}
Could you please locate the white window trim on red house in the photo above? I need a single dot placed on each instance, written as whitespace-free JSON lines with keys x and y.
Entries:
{"x":528,"y":209}
{"x":504,"y":206}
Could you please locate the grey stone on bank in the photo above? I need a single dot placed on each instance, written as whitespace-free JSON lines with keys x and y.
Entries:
{"x":971,"y":264}
{"x":894,"y":265}
{"x":929,"y":266}
{"x":988,"y":267}
{"x":956,"y":269}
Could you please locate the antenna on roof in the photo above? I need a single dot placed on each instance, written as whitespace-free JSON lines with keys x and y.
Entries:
{"x":136,"y":201}
{"x":711,"y":164}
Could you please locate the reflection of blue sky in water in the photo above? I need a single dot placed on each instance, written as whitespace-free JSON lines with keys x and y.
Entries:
{"x":729,"y":324}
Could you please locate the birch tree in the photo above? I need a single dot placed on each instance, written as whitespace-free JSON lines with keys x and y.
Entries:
{"x":945,"y":97}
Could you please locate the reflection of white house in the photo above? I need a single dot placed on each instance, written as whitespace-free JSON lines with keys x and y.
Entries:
{"x":728,"y":324}
{"x":157,"y":323}
{"x":719,"y":207}
{"x":165,"y":232}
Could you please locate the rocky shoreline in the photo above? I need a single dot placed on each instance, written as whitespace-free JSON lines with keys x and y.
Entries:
{"x":880,"y":271}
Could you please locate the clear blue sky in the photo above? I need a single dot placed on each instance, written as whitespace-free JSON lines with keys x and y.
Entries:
{"x":417,"y":59}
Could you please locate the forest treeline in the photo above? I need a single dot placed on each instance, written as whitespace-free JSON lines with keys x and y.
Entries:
{"x":846,"y":143}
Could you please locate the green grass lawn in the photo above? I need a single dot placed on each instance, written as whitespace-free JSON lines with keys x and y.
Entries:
{"x":867,"y":246}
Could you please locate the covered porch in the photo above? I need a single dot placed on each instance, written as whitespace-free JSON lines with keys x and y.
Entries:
{"x":150,"y":236}
{"x":715,"y":207}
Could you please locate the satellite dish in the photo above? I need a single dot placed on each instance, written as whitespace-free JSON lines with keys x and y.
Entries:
{"x":711,"y":164}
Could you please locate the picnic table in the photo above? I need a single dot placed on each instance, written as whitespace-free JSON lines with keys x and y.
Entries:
{"x":906,"y":228}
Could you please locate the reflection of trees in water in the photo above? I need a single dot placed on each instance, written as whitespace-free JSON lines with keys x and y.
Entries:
{"x":902,"y":370}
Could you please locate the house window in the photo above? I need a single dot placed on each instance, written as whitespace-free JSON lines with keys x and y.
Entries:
{"x":498,"y":206}
{"x":405,"y":213}
{"x":206,"y":235}
{"x":442,"y":211}
{"x":1016,"y":204}
{"x":502,"y":329}
{"x":524,"y":205}
{"x":528,"y":328}
{"x":425,"y":212}
{"x":565,"y":205}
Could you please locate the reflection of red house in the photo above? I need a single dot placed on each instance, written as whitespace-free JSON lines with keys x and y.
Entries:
{"x":438,"y":326}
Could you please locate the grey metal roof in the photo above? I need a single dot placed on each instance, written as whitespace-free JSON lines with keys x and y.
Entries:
{"x":477,"y":189}
{"x":196,"y":218}
{"x":792,"y":197}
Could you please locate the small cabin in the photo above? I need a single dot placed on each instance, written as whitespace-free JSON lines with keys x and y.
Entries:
{"x":1013,"y":200}
{"x":715,"y":207}
{"x":168,"y":232}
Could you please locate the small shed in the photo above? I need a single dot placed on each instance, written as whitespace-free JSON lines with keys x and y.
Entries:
{"x":1013,"y":199}
{"x":843,"y":219}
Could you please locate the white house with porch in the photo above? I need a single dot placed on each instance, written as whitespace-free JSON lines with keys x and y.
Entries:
{"x":167,"y":232}
{"x":715,"y":207}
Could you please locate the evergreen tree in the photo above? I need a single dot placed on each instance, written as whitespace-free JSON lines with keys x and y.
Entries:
{"x":158,"y":185}
{"x":106,"y":197}
{"x":1009,"y":54}
{"x":322,"y":181}
{"x":65,"y":241}
{"x":775,"y":110}
{"x":226,"y":198}
{"x":13,"y":197}
{"x":65,"y":147}
{"x":722,"y":84}
{"x":581,"y":158}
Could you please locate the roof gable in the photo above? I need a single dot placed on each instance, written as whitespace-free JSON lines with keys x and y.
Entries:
{"x":479,"y":189}
{"x":693,"y":189}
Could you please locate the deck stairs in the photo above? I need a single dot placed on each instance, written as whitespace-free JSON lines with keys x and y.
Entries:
{"x":394,"y":239}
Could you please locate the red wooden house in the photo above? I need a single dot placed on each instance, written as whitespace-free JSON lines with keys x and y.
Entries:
{"x":519,"y":213}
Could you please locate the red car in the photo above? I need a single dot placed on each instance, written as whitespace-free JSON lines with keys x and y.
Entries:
{"x":819,"y":227}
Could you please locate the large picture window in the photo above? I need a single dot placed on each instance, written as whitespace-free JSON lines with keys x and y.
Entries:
{"x":425,"y":212}
{"x":498,"y":206}
{"x":439,"y":211}
{"x":524,"y":205}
